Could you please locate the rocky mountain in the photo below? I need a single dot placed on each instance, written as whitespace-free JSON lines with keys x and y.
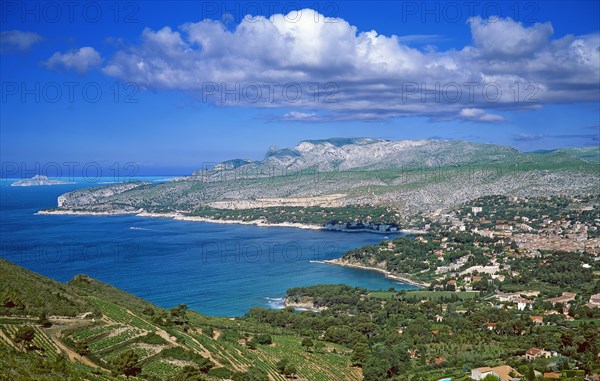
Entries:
{"x":344,"y":154}
{"x":408,"y":176}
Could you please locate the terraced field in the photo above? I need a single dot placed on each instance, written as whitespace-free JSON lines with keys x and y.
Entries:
{"x":314,"y":366}
{"x":41,"y":343}
{"x":120,"y":322}
{"x":121,"y":315}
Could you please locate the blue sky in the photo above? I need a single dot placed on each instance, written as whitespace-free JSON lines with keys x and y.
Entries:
{"x":172,"y":85}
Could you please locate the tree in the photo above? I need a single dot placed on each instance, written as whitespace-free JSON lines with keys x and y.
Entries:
{"x":264,"y":339}
{"x":375,"y":369}
{"x":319,"y":346}
{"x":286,"y":368}
{"x":127,"y":363}
{"x":205,"y":365}
{"x":281,"y":364}
{"x":43,"y":320}
{"x":530,"y":375}
{"x":290,"y":370}
{"x":82,"y":348}
{"x":179,"y":316}
{"x":307,"y":343}
{"x":162,"y":319}
{"x":360,"y":354}
{"x":24,"y":334}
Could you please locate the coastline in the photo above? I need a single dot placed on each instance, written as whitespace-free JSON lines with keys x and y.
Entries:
{"x":387,"y":274}
{"x":182,"y":217}
{"x":259,"y":223}
{"x":307,"y":306}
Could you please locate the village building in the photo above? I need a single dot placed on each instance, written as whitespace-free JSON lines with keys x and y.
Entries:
{"x":535,"y":353}
{"x":565,"y":298}
{"x":594,"y":301}
{"x":502,"y":372}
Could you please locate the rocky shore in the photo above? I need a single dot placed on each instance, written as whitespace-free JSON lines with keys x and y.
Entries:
{"x":388,"y":274}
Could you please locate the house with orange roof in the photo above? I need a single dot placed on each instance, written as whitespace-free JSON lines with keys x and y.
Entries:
{"x":534,"y":353}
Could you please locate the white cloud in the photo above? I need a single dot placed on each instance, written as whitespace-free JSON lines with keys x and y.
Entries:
{"x":300,"y":116}
{"x":479,"y":115}
{"x":345,"y":73}
{"x":80,"y":60}
{"x":505,"y":37}
{"x":18,"y":40}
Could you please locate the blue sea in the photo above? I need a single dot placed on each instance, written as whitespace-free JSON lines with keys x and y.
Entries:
{"x":216,"y":269}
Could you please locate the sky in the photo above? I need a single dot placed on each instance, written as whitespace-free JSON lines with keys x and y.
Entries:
{"x":167,"y":87}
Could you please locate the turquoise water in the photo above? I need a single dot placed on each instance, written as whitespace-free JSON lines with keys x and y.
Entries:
{"x":216,"y":269}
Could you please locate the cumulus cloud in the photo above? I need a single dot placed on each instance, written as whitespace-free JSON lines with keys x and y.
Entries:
{"x":80,"y":60}
{"x":18,"y":40}
{"x":326,"y":66}
{"x":508,"y":38}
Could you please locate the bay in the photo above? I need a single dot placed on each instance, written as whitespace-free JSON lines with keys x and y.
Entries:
{"x":216,"y":269}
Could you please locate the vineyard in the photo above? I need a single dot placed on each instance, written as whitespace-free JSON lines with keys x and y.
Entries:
{"x":316,"y":366}
{"x":162,"y":341}
{"x":41,"y":343}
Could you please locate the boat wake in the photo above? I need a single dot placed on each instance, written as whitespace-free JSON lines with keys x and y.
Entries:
{"x":137,"y":228}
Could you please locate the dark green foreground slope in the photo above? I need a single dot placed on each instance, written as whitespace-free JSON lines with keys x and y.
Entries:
{"x":104,"y":324}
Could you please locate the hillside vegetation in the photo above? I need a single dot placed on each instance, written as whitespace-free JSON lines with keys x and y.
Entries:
{"x":88,"y":329}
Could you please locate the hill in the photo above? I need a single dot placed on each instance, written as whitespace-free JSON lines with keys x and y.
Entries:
{"x":504,"y":276}
{"x":319,"y":181}
{"x":81,"y":329}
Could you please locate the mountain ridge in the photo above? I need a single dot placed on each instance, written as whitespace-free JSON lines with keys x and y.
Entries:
{"x":352,"y":153}
{"x":407,"y":176}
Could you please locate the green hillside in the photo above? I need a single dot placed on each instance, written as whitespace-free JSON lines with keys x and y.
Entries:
{"x":85,"y":328}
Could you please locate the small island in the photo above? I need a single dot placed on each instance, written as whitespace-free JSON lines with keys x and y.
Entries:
{"x":39,"y":180}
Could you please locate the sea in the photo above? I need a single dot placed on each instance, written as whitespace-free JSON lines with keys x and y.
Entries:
{"x":215,"y":269}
